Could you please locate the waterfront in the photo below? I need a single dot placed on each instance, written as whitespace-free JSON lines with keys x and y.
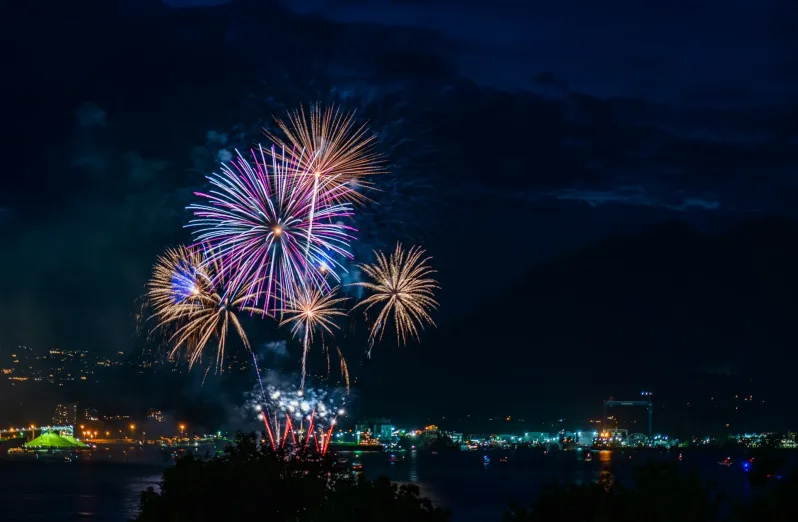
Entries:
{"x":107,"y":492}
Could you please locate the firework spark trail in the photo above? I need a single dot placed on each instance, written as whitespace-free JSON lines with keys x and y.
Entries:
{"x":187,"y":292}
{"x":310,"y":428}
{"x":312,"y":211}
{"x":311,"y":311}
{"x":344,"y":369}
{"x":327,"y":353}
{"x":290,"y":426}
{"x":403,"y":285}
{"x":266,"y":229}
{"x":269,"y":431}
{"x":305,"y":349}
{"x":326,"y":441}
{"x":257,"y":372}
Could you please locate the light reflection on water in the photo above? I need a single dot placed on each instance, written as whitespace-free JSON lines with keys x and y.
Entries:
{"x":72,"y":492}
{"x":413,"y":466}
{"x":133,"y":491}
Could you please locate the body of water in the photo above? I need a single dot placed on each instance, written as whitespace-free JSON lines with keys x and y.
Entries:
{"x":476,"y":492}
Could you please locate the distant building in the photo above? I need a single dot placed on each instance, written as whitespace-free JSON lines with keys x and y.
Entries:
{"x":455,"y":437}
{"x":90,"y":414}
{"x":65,"y":415}
{"x":585,"y":438}
{"x":156,"y":415}
{"x":537,"y":437}
{"x":380,"y":429}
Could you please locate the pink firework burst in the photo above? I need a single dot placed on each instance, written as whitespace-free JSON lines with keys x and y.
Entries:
{"x":269,"y":229}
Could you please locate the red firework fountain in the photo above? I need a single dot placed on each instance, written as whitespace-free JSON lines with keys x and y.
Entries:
{"x":285,"y":412}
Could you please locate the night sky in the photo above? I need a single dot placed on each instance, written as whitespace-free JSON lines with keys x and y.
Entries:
{"x":607,"y":190}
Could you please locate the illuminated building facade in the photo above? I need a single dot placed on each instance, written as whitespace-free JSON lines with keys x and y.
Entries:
{"x":65,"y":415}
{"x":379,"y":429}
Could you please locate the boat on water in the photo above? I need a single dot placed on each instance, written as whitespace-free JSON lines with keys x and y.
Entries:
{"x":727,"y":462}
{"x":357,"y":467}
{"x":589,"y":457}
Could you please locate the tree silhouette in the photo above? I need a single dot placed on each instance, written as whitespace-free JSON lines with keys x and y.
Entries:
{"x":252,"y":481}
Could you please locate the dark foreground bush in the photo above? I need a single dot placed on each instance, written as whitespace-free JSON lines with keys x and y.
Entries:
{"x":253,"y":483}
{"x":661,"y":493}
{"x":777,"y":502}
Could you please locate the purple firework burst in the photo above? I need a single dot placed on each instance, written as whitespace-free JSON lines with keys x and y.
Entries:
{"x":275,"y":230}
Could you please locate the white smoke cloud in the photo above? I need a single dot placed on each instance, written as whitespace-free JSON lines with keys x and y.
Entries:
{"x":278,"y":348}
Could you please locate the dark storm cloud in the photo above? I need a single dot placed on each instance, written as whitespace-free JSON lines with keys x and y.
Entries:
{"x":676,"y":105}
{"x":73,"y":271}
{"x":633,"y":195}
{"x":278,"y":349}
{"x":707,"y":53}
{"x":630,"y":152}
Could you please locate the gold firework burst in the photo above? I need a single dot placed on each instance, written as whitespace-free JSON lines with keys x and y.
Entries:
{"x":402,"y":284}
{"x":327,"y":146}
{"x":313,"y":310}
{"x":190,"y":299}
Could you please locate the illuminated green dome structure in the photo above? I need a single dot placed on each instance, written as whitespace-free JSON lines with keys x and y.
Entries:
{"x":50,"y":439}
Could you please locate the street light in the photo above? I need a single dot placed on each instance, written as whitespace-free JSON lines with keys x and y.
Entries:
{"x":182,"y":429}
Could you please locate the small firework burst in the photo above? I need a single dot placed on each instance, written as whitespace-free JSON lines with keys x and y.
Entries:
{"x":402,"y":284}
{"x":313,"y":310}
